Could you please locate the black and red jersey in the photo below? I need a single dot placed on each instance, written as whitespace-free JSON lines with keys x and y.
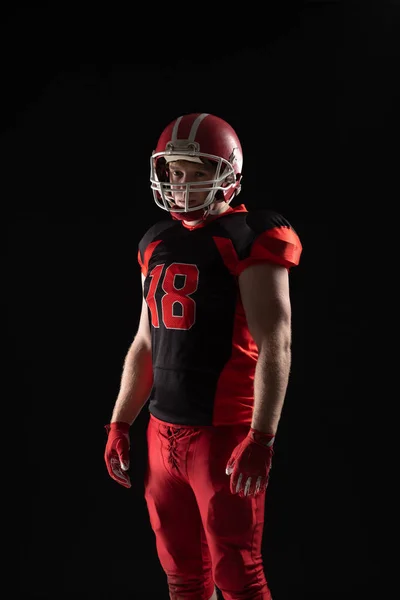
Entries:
{"x":203,"y":355}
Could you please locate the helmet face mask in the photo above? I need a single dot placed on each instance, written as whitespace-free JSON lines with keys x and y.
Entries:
{"x":198,"y":138}
{"x":164,"y":190}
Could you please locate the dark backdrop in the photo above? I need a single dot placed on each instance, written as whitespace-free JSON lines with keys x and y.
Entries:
{"x":310,"y":89}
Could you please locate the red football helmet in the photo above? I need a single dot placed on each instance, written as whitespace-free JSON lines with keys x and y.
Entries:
{"x":195,"y":137}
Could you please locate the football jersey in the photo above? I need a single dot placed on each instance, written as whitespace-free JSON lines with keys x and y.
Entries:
{"x":203,"y":354}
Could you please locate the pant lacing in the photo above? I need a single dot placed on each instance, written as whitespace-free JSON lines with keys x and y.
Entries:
{"x":173,"y":434}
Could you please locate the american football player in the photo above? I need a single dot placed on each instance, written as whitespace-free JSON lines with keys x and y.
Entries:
{"x":211,"y":357}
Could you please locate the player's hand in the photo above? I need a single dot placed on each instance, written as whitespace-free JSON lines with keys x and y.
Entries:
{"x":116,"y":453}
{"x":250,"y":464}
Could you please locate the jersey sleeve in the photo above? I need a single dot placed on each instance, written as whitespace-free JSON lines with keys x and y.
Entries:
{"x":274,"y":241}
{"x":141,"y":262}
{"x":145,"y":249}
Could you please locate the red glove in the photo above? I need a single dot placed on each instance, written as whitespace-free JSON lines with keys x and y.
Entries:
{"x":117,"y":452}
{"x":250,"y":463}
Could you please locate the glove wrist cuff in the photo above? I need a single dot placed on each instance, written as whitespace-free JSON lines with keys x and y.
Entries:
{"x":117,"y":426}
{"x":260,"y":437}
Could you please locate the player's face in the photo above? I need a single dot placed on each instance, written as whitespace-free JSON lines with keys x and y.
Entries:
{"x":182,"y":172}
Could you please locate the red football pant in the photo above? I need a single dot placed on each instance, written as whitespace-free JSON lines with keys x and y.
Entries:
{"x":204,"y":533}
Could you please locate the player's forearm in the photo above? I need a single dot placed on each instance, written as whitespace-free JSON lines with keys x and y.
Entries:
{"x":136,"y":383}
{"x":270,"y":382}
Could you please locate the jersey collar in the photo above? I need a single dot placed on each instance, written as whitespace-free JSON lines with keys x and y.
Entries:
{"x":236,"y":209}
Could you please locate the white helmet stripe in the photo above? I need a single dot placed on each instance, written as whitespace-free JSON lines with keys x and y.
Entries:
{"x":175,"y":129}
{"x":193,"y":131}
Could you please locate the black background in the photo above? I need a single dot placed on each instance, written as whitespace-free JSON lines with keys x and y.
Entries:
{"x":310,"y":88}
